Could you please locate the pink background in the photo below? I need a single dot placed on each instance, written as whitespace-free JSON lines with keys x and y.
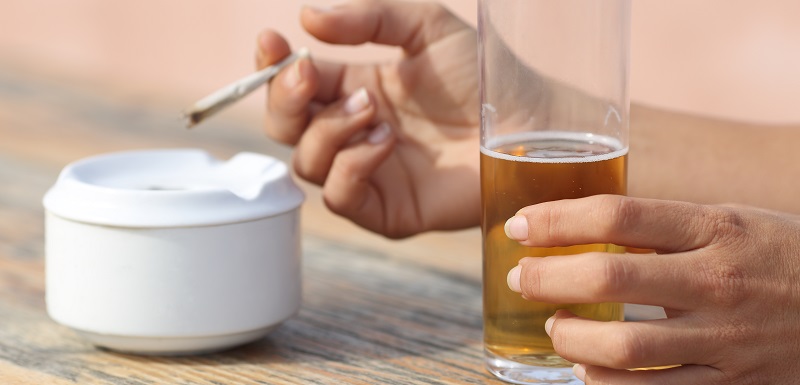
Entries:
{"x":733,"y":58}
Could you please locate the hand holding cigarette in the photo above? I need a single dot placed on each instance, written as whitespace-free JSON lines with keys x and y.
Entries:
{"x":237,"y":90}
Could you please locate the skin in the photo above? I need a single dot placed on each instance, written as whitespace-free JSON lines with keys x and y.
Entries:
{"x":405,"y":184}
{"x":697,"y":159}
{"x":726,"y":277}
{"x":400,"y":157}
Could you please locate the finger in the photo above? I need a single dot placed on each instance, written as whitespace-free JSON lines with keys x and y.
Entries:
{"x":624,"y":345}
{"x":665,"y":226}
{"x":348,"y":190}
{"x":295,"y":92}
{"x":329,"y":131}
{"x":290,"y":92}
{"x":412,"y":26}
{"x":682,"y":375}
{"x":270,"y":48}
{"x":661,"y":280}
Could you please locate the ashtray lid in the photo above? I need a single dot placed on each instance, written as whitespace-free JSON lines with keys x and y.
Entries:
{"x":172,"y":188}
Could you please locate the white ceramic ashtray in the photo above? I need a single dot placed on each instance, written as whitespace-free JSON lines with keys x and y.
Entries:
{"x":173,"y":251}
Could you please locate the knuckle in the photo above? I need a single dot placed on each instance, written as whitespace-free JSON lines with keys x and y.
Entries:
{"x":630,"y":351}
{"x":725,"y":280}
{"x":616,"y":276}
{"x":335,"y":205}
{"x":728,"y":225}
{"x":729,"y":280}
{"x":549,"y":221}
{"x":345,"y":169}
{"x":338,"y":203}
{"x":726,"y":283}
{"x":620,"y":211}
{"x":533,"y":271}
{"x":305,"y":169}
{"x":300,"y":166}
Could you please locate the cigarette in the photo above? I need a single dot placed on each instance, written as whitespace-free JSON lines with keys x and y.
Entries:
{"x":229,"y":94}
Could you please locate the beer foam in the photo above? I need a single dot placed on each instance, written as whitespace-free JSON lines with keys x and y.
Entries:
{"x":613,"y":144}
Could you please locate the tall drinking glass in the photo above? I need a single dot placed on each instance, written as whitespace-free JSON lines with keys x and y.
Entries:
{"x":555,"y":117}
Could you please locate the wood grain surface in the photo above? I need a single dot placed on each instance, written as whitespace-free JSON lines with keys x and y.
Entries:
{"x":375,"y":311}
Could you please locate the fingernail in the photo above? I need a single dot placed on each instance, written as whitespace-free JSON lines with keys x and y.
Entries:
{"x":580,"y":371}
{"x":380,"y":134}
{"x":517,"y":228}
{"x":293,"y":78}
{"x":513,"y":277}
{"x":548,"y":325}
{"x":357,"y":102}
{"x":326,"y":8}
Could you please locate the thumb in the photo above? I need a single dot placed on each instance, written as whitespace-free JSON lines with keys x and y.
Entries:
{"x":410,"y":25}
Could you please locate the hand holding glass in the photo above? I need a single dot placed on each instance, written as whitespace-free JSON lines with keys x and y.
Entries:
{"x":555,"y":107}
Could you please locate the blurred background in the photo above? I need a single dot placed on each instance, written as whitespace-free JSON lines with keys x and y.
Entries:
{"x":733,"y":58}
{"x":81,"y":77}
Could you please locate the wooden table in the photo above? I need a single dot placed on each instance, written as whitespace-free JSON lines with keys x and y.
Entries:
{"x":374,"y":312}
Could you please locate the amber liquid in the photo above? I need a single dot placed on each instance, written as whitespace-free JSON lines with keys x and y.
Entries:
{"x":523,"y":171}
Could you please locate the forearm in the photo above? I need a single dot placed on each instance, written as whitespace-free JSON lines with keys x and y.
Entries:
{"x":691,"y":158}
